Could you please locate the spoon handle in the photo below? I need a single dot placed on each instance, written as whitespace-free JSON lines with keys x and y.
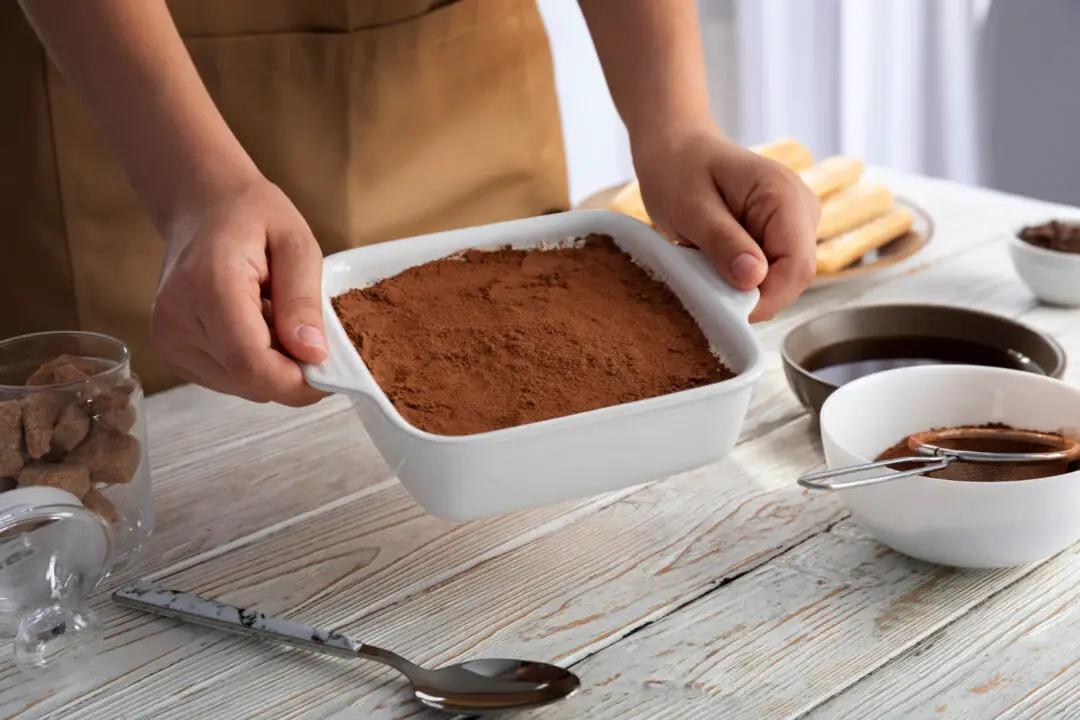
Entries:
{"x":211,"y":613}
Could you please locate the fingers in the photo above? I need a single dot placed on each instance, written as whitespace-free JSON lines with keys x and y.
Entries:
{"x":787,"y":279}
{"x":788,"y":237}
{"x":208,"y":325}
{"x":186,"y":360}
{"x":709,"y":225}
{"x":296,"y":292}
{"x":239,"y":339}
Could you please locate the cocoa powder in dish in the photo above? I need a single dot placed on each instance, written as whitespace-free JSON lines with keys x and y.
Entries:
{"x":494,"y":339}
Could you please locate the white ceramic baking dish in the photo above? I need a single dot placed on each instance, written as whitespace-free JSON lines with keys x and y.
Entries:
{"x":468,"y":477}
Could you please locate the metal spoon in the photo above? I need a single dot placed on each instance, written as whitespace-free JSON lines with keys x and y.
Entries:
{"x":476,"y":687}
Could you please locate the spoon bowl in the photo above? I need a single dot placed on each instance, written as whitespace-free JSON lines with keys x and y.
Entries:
{"x":474,"y":687}
{"x":493,"y":685}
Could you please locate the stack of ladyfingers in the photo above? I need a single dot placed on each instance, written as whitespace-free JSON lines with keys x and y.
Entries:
{"x":856,"y":217}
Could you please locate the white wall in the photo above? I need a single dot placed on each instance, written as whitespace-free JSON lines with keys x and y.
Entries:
{"x":597,"y":150}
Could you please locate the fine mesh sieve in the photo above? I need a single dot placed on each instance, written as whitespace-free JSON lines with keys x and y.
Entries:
{"x":989,"y":453}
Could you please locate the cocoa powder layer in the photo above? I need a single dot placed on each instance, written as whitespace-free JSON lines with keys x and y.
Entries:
{"x":491,"y":340}
{"x":983,"y":472}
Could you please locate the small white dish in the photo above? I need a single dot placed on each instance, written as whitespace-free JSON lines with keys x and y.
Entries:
{"x":474,"y":476}
{"x":948,"y":522}
{"x":1051,"y":275}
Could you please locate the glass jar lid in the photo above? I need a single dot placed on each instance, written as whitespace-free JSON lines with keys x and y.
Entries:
{"x":53,"y":553}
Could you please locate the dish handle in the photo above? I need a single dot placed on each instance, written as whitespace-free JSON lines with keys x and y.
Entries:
{"x":742,"y":302}
{"x":327,"y":378}
{"x":336,"y":374}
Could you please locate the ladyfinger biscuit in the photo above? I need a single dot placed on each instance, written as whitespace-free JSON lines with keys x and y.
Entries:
{"x":628,"y":202}
{"x":839,"y":252}
{"x":832,"y":174}
{"x":788,"y":152}
{"x":851,"y":207}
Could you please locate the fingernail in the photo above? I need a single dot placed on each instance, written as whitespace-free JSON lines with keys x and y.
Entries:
{"x":309,"y":335}
{"x":744,"y":267}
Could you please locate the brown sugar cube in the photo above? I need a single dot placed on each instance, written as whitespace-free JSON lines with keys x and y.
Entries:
{"x":114,"y":410}
{"x":64,"y":369}
{"x":111,"y":457}
{"x":66,"y":476}
{"x":40,"y":413}
{"x":12,"y":455}
{"x":8,"y":483}
{"x":96,"y":502}
{"x":71,"y":429}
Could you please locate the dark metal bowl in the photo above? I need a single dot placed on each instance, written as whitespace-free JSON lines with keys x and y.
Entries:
{"x":898,"y":321}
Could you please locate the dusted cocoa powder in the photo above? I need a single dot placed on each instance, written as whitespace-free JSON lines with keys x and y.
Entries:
{"x":984,"y":472}
{"x":490,"y":340}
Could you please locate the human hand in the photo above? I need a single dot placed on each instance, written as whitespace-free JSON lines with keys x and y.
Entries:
{"x":754,"y":218}
{"x":208,"y":322}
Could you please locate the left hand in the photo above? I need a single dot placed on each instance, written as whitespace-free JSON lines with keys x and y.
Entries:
{"x":755,"y":219}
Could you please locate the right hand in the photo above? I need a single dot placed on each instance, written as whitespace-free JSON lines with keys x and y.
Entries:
{"x":207,"y":322}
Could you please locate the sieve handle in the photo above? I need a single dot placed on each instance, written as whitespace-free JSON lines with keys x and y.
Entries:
{"x":978,"y":456}
{"x":813,"y":481}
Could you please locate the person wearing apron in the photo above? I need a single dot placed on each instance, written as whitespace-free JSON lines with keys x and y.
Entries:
{"x":256,"y":135}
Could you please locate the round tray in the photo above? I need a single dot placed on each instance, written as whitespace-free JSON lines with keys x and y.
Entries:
{"x":900,"y":249}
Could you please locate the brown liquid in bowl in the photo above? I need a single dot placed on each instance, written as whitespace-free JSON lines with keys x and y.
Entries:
{"x":846,"y":361}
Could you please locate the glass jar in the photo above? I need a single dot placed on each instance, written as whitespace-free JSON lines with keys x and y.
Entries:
{"x":75,"y":494}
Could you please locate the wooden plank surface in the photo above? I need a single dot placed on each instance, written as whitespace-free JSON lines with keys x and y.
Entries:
{"x":783,"y":639}
{"x":1015,"y":656}
{"x":727,"y":591}
{"x":599,"y":577}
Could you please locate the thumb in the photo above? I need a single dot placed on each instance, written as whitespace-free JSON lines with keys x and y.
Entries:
{"x":296,"y":296}
{"x":736,"y":256}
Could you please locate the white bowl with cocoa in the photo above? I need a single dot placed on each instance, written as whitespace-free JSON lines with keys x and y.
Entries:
{"x":995,"y":522}
{"x":535,"y":361}
{"x":1047,"y":259}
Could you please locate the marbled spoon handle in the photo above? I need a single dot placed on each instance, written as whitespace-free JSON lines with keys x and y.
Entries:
{"x":211,"y":613}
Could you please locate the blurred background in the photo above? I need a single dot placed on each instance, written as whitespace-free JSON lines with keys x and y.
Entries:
{"x":978,"y":91}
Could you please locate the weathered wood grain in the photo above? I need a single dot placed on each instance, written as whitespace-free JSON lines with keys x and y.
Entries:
{"x":784,"y":638}
{"x":248,"y":469}
{"x":352,"y":559}
{"x":1015,"y":656}
{"x":560,"y":596}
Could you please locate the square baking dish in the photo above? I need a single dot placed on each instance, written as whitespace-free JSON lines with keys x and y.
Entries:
{"x":468,"y":477}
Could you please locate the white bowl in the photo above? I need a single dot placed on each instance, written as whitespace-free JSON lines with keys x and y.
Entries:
{"x":1051,"y":275}
{"x":962,"y":524}
{"x":468,"y":477}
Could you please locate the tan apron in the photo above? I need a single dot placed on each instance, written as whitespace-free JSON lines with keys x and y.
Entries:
{"x":379,"y":118}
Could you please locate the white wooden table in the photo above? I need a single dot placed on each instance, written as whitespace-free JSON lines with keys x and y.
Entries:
{"x":727,"y":592}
